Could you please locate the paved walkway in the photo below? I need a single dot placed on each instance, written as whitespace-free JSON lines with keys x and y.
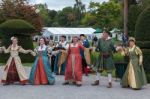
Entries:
{"x":58,"y":91}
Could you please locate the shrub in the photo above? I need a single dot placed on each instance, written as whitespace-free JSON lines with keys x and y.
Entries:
{"x":20,"y":29}
{"x":142,"y":35}
{"x":17,"y":26}
{"x":134,"y":12}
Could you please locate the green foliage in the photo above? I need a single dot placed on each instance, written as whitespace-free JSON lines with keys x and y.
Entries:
{"x":16,"y":26}
{"x":66,"y":17}
{"x":142,"y":34}
{"x":24,"y":40}
{"x":20,"y":9}
{"x":20,"y":29}
{"x":107,"y":14}
{"x":89,"y":20}
{"x":142,"y":30}
{"x":134,"y":12}
{"x":146,"y":54}
{"x":145,"y":3}
{"x":118,"y":58}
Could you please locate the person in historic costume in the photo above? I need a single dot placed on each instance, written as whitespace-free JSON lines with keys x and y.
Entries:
{"x":105,"y":61}
{"x":51,"y":56}
{"x":60,"y":59}
{"x":73,"y":73}
{"x":86,"y":44}
{"x":14,"y":70}
{"x":134,"y":76}
{"x":41,"y":70}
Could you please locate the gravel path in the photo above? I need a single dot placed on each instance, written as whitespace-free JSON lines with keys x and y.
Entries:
{"x":58,"y":91}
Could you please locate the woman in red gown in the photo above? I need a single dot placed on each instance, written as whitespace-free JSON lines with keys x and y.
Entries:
{"x":73,"y":71}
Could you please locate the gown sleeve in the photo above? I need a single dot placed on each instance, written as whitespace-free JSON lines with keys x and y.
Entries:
{"x":139,"y":53}
{"x":21,"y":50}
{"x":81,"y":47}
{"x":35,"y":52}
{"x":6,"y":50}
{"x":86,"y":54}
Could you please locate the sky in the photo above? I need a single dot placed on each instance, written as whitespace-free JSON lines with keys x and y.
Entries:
{"x":59,"y":4}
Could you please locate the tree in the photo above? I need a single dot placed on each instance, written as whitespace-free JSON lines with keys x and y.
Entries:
{"x":66,"y":17}
{"x":20,"y":9}
{"x":109,"y":14}
{"x":89,"y":20}
{"x":79,"y":8}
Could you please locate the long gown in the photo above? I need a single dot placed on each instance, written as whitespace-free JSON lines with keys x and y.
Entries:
{"x":134,"y":76}
{"x":14,"y":70}
{"x":74,"y":64}
{"x":41,"y":70}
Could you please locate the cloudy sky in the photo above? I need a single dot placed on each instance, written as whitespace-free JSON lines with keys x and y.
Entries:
{"x":59,"y":4}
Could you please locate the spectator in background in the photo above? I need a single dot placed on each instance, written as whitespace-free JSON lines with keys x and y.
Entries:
{"x":94,"y":41}
{"x":125,"y":40}
{"x":86,"y":44}
{"x":61,"y":57}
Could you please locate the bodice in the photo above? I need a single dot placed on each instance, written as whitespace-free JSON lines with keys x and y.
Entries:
{"x":14,"y":53}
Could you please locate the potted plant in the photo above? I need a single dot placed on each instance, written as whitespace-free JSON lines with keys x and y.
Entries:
{"x":120,"y":64}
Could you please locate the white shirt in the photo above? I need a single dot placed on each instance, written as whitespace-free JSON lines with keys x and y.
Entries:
{"x":64,"y":44}
{"x":42,"y":48}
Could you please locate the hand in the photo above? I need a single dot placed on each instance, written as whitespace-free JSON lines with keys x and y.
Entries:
{"x":140,"y":63}
{"x":119,"y":48}
{"x":3,"y":47}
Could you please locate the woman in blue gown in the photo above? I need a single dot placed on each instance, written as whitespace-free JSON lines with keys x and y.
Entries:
{"x":41,"y":71}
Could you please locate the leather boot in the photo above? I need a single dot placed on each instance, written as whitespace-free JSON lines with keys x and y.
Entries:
{"x":96,"y":83}
{"x":109,"y":85}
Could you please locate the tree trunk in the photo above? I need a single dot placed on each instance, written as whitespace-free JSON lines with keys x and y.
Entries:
{"x":126,"y":17}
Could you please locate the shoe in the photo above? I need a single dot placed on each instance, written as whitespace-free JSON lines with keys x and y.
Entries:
{"x":65,"y":83}
{"x":109,"y":85}
{"x":96,"y":83}
{"x":78,"y":85}
{"x":74,"y":83}
{"x":5,"y":84}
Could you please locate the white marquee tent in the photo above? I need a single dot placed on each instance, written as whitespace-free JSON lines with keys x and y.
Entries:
{"x":56,"y":32}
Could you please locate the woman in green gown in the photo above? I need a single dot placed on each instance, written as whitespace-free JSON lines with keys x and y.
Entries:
{"x":134,"y":76}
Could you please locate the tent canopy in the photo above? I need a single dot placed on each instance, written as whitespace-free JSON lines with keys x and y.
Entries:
{"x":115,"y":30}
{"x":98,"y":30}
{"x":47,"y":31}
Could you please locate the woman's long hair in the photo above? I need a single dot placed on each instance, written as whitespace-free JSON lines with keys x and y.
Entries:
{"x":44,"y":41}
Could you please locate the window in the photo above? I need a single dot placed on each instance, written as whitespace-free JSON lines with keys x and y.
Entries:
{"x":56,"y":38}
{"x":69,"y":38}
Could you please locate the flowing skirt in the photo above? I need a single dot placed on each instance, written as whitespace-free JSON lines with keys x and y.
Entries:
{"x":12,"y":75}
{"x":41,"y":72}
{"x":134,"y":76}
{"x":74,"y":68}
{"x":40,"y":75}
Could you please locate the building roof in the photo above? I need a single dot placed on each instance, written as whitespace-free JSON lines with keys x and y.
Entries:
{"x":47,"y":31}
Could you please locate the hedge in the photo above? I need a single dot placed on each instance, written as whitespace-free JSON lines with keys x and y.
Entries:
{"x":142,"y":35}
{"x":20,"y":29}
